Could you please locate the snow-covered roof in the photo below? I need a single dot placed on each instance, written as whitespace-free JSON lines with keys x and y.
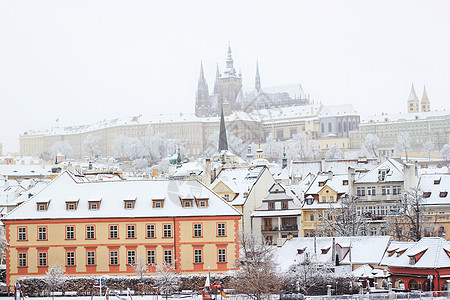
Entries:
{"x":338,"y":111}
{"x":364,"y":250}
{"x":367,"y":271}
{"x":404,"y":117}
{"x":188,"y":169}
{"x":282,"y":113}
{"x":435,"y":187}
{"x":25,"y":170}
{"x":395,"y":173}
{"x":337,"y":183}
{"x":112,"y":195}
{"x":431,"y":252}
{"x":394,"y":250}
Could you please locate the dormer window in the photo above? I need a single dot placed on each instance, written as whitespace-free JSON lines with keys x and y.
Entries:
{"x":94,"y":204}
{"x":412,"y":260}
{"x":158,"y":203}
{"x":71,"y":204}
{"x":321,"y":183}
{"x":300,"y":251}
{"x":443,"y":194}
{"x":187,"y":202}
{"x":284,"y":205}
{"x":382,"y":174}
{"x":271,"y":205}
{"x":344,"y":182}
{"x":426,"y":194}
{"x":437,"y":181}
{"x":325,"y":250}
{"x":42,"y":205}
{"x":129,"y":204}
{"x":202,"y":203}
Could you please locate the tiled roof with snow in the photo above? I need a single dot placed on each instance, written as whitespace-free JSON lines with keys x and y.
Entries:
{"x":436,"y":254}
{"x":338,"y":111}
{"x":394,"y":250}
{"x":281,"y":113}
{"x":436,"y":188}
{"x":395,"y":173}
{"x":404,"y":117}
{"x":112,"y":195}
{"x":25,"y":170}
{"x":336,"y":183}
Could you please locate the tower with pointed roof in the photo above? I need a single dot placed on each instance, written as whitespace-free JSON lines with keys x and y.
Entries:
{"x":223,"y":142}
{"x":229,"y":85}
{"x":201,"y":98}
{"x":413,"y":101}
{"x":425,"y":102}
{"x":257,"y":79}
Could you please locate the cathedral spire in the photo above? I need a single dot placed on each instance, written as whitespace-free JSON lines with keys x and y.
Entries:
{"x":230,"y":71}
{"x":425,"y":103}
{"x":413,"y":101}
{"x":257,"y":79}
{"x":223,"y":142}
{"x":201,"y":79}
{"x":412,"y":94}
{"x":216,"y":83}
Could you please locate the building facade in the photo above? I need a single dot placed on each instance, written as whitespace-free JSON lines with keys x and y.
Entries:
{"x":94,"y":228}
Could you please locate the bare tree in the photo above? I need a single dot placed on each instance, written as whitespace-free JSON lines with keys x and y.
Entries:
{"x":314,"y":148}
{"x":120,"y":145}
{"x":54,"y":278}
{"x":407,"y":220}
{"x":445,"y":152}
{"x":140,"y":267}
{"x":3,"y":244}
{"x":370,"y":146}
{"x":235,"y":144}
{"x":298,"y":147}
{"x":272,"y":148}
{"x":256,"y":276}
{"x":334,"y":153}
{"x":428,"y":148}
{"x":403,"y":144}
{"x":166,"y":278}
{"x":91,"y":145}
{"x":342,"y":218}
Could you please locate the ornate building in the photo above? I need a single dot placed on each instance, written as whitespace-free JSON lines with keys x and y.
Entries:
{"x":229,"y":92}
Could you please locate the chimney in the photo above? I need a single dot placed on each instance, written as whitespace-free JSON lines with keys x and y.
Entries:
{"x":208,"y":178}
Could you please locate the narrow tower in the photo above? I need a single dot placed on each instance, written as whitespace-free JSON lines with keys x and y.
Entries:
{"x":201,"y":98}
{"x":413,"y":101}
{"x":223,"y":142}
{"x":257,"y":79}
{"x":425,"y":103}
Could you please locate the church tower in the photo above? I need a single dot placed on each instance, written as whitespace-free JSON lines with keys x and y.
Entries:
{"x":425,"y":103}
{"x":229,"y":86}
{"x":413,"y":101}
{"x":257,"y":79}
{"x":201,"y":97}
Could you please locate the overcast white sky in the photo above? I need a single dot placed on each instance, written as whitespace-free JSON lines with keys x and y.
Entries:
{"x":84,"y":61}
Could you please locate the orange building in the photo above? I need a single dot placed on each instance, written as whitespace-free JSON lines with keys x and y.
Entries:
{"x":95,"y":228}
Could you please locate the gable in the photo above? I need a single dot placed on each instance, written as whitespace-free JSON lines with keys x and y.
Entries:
{"x":222,"y":188}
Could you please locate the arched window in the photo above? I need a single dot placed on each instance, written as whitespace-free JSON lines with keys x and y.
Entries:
{"x":345,"y":126}
{"x":412,"y":286}
{"x":339,"y":126}
{"x":329,"y":127}
{"x":322,"y":127}
{"x":399,"y":284}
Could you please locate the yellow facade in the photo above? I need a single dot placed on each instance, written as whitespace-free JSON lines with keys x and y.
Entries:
{"x":57,"y":246}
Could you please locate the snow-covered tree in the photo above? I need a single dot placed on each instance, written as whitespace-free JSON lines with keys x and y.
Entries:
{"x":91,"y":145}
{"x":342,"y":219}
{"x":403,"y":144}
{"x":334,"y":153}
{"x":428,"y":148}
{"x":257,"y":276}
{"x":3,"y":243}
{"x":120,"y":145}
{"x":370,"y":146}
{"x":445,"y":152}
{"x":272,"y":149}
{"x":140,"y":267}
{"x":63,"y":148}
{"x":314,"y":148}
{"x":166,"y":279}
{"x":235,"y":144}
{"x":155,"y":144}
{"x":135,"y":149}
{"x":54,"y":278}
{"x":298,"y":147}
{"x":140,"y":164}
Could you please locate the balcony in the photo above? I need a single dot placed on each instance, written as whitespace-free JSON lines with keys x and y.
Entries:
{"x":282,"y":228}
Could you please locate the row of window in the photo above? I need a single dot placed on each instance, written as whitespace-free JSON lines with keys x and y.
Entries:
{"x":114,"y":257}
{"x":284,"y":205}
{"x":114,"y":231}
{"x":385,"y":190}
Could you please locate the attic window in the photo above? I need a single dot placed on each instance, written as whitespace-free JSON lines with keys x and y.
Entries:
{"x":443,"y":194}
{"x":129,"y":204}
{"x":382,"y":174}
{"x":71,"y":204}
{"x":94,"y":204}
{"x":300,"y":251}
{"x":414,"y":258}
{"x":437,"y":181}
{"x":158,"y":203}
{"x":42,"y":205}
{"x":321,"y":183}
{"x":391,"y":252}
{"x":426,"y":194}
{"x":187,"y":202}
{"x":325,"y":250}
{"x":202,"y":203}
{"x":344,"y":182}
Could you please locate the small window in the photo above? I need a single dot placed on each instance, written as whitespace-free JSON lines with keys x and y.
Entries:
{"x":412,"y":260}
{"x":202,"y":203}
{"x":437,"y":181}
{"x":42,"y":259}
{"x":42,"y":233}
{"x":91,"y":258}
{"x":131,"y":257}
{"x":42,"y":206}
{"x":70,"y":232}
{"x":113,"y":231}
{"x":114,"y":258}
{"x":324,"y":198}
{"x":90,"y":232}
{"x":70,"y":258}
{"x":443,"y":194}
{"x":321,"y":183}
{"x":151,"y":258}
{"x":426,"y":194}
{"x":222,"y":255}
{"x":198,"y":257}
{"x":22,"y":233}
{"x":344,"y":182}
{"x":284,"y":205}
{"x":198,"y":230}
{"x":129,"y":204}
{"x":22,"y":260}
{"x":167,"y":230}
{"x":158,"y":203}
{"x":168,"y":256}
{"x":311,"y":217}
{"x":221,"y":229}
{"x":187,"y":203}
{"x":271,"y":205}
{"x":150,"y":231}
{"x":94,"y":205}
{"x":131,"y":231}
